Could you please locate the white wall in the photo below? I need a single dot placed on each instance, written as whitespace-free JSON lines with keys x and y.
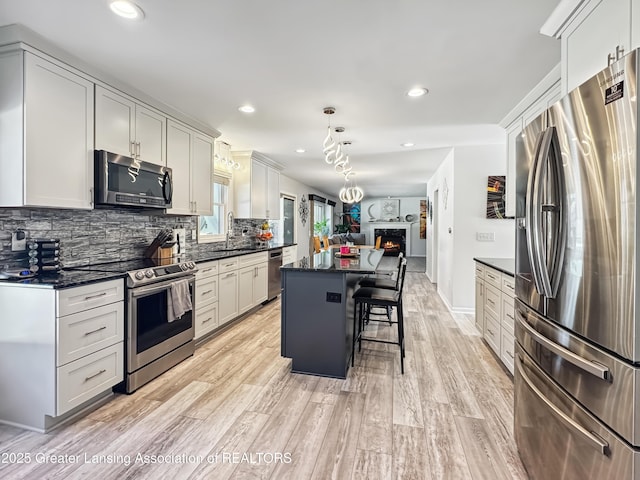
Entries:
{"x":296,"y":189}
{"x":466,"y":171}
{"x":408,"y":206}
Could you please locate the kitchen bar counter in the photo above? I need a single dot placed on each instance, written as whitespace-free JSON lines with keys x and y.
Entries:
{"x":317,"y":310}
{"x":504,"y":265}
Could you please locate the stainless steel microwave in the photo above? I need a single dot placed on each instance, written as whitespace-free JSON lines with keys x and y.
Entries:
{"x":120,"y":180}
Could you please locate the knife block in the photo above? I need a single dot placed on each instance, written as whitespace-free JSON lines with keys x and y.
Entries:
{"x":162,"y":253}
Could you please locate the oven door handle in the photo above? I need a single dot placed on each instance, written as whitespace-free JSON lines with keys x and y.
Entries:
{"x":151,"y":289}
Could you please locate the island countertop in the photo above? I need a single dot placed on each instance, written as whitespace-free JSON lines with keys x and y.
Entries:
{"x":330,"y":261}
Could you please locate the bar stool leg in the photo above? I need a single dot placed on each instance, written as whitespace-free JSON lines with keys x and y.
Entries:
{"x":355,"y":332}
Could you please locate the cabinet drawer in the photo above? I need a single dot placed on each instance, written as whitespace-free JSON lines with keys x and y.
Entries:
{"x":207,"y":269}
{"x":206,"y":291}
{"x":492,"y":299}
{"x":73,"y":300}
{"x":492,"y":333}
{"x":493,"y":277}
{"x":508,"y":285}
{"x":508,"y":314}
{"x":87,"y":332}
{"x":206,"y":319}
{"x":507,"y":348}
{"x":253,"y":259}
{"x":87,"y":377}
{"x":228,"y":265}
{"x":479,"y":270}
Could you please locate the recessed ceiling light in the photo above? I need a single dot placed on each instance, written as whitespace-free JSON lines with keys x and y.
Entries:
{"x":247,"y":109}
{"x":417,"y":92}
{"x":300,"y":150}
{"x":408,"y":144}
{"x":127,"y":9}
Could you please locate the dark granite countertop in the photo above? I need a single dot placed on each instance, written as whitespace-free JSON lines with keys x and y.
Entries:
{"x":505,"y":265}
{"x":329,"y":262}
{"x":74,"y":277}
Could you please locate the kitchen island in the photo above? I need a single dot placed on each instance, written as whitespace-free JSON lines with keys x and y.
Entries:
{"x":317,"y":310}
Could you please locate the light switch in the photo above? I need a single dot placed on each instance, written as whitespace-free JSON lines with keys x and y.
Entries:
{"x":485,"y":236}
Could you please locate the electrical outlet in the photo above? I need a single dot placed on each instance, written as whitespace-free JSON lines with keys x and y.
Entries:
{"x":485,"y":236}
{"x":18,"y":241}
{"x":194,"y":234}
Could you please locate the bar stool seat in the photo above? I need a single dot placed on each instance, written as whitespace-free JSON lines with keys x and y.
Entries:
{"x":367,"y":297}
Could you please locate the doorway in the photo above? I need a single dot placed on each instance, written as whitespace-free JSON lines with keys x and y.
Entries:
{"x":435,"y":265}
{"x":288,"y":215}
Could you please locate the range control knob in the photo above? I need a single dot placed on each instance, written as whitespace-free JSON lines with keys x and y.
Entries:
{"x":191,"y":265}
{"x":183,"y":267}
{"x":139,"y":275}
{"x":149,"y":273}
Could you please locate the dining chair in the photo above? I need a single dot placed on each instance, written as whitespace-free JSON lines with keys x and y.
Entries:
{"x":316,"y":244}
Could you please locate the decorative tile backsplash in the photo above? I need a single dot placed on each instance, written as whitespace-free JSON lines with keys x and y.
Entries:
{"x":103,"y":235}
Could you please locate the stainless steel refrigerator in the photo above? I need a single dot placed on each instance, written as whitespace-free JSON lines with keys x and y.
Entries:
{"x":577,"y":371}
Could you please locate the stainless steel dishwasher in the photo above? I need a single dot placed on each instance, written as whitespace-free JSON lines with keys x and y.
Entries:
{"x":275,"y":262}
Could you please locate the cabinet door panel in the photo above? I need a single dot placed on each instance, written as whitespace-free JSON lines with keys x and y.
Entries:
{"x":260,"y":284}
{"x":273,"y":194}
{"x":202,"y":174}
{"x":228,"y":297}
{"x":115,"y":117}
{"x":179,"y":144}
{"x":245,"y":288}
{"x":258,"y":190}
{"x":58,"y":108}
{"x":150,"y":136}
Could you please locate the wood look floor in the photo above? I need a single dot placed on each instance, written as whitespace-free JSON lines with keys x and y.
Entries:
{"x":450,"y":416}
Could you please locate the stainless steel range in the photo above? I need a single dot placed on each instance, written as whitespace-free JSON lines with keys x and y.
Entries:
{"x":159,"y":320}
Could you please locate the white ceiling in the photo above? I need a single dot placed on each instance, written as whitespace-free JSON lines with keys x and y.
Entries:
{"x":292,"y":58}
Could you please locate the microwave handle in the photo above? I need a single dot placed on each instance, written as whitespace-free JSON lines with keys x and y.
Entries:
{"x":167,"y":188}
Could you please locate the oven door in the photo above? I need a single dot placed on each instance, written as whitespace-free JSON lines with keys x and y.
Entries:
{"x":150,"y":332}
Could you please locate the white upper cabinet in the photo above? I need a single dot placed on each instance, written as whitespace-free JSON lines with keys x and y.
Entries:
{"x":593,"y":34}
{"x":190,"y":156}
{"x":256,"y":187}
{"x":46,"y":133}
{"x":128,"y":128}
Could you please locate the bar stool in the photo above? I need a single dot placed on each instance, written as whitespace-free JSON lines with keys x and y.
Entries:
{"x":367,"y":297}
{"x":383,"y":281}
{"x":316,"y":244}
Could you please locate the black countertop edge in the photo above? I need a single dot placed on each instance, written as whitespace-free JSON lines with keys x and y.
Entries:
{"x":218,"y":254}
{"x":505,"y":265}
{"x":64,"y":279}
{"x":328,"y":262}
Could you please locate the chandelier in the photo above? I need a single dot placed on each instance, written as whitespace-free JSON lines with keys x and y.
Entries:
{"x":334,"y":155}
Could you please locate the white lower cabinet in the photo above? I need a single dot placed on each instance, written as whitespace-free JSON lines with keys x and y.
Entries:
{"x":68,"y":347}
{"x":228,"y":292}
{"x":206,"y":299}
{"x":495,"y":311}
{"x":252,"y":280}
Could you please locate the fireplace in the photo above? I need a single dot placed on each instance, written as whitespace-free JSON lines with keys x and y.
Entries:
{"x":393,"y":240}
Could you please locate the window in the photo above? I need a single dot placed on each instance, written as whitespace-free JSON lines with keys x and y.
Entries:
{"x":213,"y":228}
{"x":322,"y":217}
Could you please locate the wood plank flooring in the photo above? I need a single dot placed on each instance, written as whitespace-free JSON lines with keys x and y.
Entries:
{"x":235,"y":411}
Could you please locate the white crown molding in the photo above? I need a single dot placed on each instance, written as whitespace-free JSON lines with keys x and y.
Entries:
{"x":559,"y":18}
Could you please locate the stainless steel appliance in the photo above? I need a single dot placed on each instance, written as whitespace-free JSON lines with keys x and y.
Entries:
{"x":155,"y":339}
{"x":274,"y":277}
{"x":577,"y":371}
{"x":120,"y":180}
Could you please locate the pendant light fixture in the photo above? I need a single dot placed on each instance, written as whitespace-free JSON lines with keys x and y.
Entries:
{"x":329,"y":145}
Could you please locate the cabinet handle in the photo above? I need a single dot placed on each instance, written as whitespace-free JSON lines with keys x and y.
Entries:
{"x":206,"y":270}
{"x":91,"y":196}
{"x":229,"y":264}
{"x":491,"y":302}
{"x":138,"y":149}
{"x":86,"y":379}
{"x":490,"y":332}
{"x":91,"y":297}
{"x":610,"y":59}
{"x":96,"y":330}
{"x":132,"y":147}
{"x":491,"y":276}
{"x":510,"y":354}
{"x":207,"y":292}
{"x":510,"y":316}
{"x":207,"y":320}
{"x":232,"y":274}
{"x":619,"y":52}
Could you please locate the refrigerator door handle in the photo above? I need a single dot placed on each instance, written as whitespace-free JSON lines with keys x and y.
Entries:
{"x":600,"y":371}
{"x":530,"y":222}
{"x":560,"y":237}
{"x":595,"y":441}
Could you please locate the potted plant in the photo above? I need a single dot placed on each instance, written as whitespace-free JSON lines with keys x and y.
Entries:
{"x":343,"y":228}
{"x":321,"y":228}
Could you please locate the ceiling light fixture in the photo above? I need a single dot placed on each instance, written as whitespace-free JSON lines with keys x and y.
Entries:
{"x":417,"y":92}
{"x":126,"y":9}
{"x":408,"y":144}
{"x":247,"y":109}
{"x":300,"y":150}
{"x":328,"y":144}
